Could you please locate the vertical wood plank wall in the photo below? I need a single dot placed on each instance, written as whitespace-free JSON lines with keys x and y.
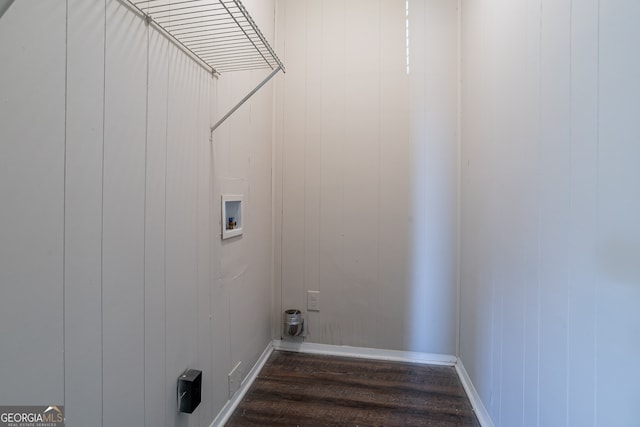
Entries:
{"x":113,"y":276}
{"x":32,"y":170}
{"x":83,"y":209}
{"x":365,"y":184}
{"x":110,"y":246}
{"x":123,"y":215}
{"x":550,"y":208}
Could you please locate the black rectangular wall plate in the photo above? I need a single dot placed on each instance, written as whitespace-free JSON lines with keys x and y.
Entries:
{"x":189,"y":390}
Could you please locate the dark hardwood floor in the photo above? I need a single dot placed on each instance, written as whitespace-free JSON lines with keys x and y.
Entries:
{"x":295,"y":389}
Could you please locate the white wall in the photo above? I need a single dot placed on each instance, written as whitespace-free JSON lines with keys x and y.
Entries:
{"x":550,"y":208}
{"x":114,"y":278}
{"x":242,"y":161}
{"x":366,"y":171}
{"x":32,"y":164}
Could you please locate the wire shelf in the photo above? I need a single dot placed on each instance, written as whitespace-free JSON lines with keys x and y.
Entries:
{"x":220,"y":33}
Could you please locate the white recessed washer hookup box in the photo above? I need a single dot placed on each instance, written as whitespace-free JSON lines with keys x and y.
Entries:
{"x":231,"y":215}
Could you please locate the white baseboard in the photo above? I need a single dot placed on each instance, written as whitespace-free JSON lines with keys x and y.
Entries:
{"x":481,"y":412}
{"x":366,"y":353}
{"x":231,"y":405}
{"x":358,"y":352}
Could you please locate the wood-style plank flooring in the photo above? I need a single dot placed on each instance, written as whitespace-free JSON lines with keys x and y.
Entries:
{"x":295,"y":389}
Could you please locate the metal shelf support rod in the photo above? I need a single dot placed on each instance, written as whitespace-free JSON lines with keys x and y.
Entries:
{"x":246,"y":98}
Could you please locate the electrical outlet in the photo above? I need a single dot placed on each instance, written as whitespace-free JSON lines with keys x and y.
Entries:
{"x":313,"y":300}
{"x":235,"y":379}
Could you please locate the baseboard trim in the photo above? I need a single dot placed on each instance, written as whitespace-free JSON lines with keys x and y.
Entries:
{"x":231,"y":405}
{"x":481,"y":412}
{"x":366,"y":353}
{"x":357,"y":352}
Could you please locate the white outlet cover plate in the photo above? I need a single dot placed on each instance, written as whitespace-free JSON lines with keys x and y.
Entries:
{"x":313,"y":300}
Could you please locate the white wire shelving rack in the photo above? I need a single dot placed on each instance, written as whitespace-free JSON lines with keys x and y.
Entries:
{"x":219,"y":34}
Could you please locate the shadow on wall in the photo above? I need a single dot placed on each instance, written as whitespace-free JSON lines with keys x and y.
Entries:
{"x":433,"y":223}
{"x":431,"y":38}
{"x":4,"y":5}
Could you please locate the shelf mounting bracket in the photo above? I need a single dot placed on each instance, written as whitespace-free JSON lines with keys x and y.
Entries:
{"x":246,"y":98}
